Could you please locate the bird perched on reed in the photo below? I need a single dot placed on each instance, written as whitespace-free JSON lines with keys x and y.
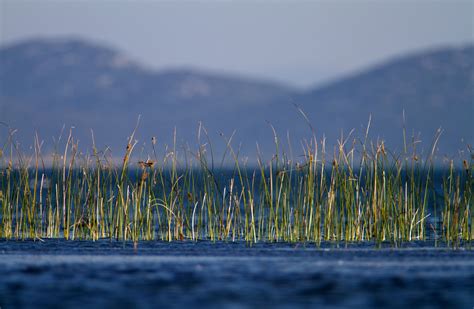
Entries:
{"x":147,"y":163}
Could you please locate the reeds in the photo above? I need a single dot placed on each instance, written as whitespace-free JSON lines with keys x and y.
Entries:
{"x":360,"y":192}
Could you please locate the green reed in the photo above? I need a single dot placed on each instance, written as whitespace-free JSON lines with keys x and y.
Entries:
{"x":360,"y":191}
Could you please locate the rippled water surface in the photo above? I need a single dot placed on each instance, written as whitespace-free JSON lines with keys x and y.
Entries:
{"x":214,"y":275}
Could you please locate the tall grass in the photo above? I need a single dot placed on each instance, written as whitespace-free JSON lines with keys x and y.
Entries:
{"x":359,"y":192}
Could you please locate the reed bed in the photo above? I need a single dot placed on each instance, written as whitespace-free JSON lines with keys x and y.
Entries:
{"x":359,"y":191}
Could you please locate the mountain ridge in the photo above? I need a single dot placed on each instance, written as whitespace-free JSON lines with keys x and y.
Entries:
{"x":47,"y":83}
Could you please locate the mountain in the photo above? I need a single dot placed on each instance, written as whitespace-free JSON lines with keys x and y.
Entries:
{"x":435,"y":89}
{"x":46,"y":84}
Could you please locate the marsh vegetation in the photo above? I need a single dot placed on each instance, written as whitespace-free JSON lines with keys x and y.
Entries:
{"x":359,"y":191}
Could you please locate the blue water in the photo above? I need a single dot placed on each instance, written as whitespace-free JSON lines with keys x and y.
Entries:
{"x":58,"y":273}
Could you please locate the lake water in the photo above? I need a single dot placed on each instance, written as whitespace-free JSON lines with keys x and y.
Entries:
{"x":58,"y":273}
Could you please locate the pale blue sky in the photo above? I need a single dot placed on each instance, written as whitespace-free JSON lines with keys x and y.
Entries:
{"x":298,"y":42}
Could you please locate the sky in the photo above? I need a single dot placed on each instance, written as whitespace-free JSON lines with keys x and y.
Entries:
{"x":301,"y":43}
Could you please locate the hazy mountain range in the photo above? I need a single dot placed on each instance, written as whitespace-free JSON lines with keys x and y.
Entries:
{"x":46,"y":83}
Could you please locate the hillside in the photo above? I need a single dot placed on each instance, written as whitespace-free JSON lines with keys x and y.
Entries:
{"x":45,"y":84}
{"x":435,"y":88}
